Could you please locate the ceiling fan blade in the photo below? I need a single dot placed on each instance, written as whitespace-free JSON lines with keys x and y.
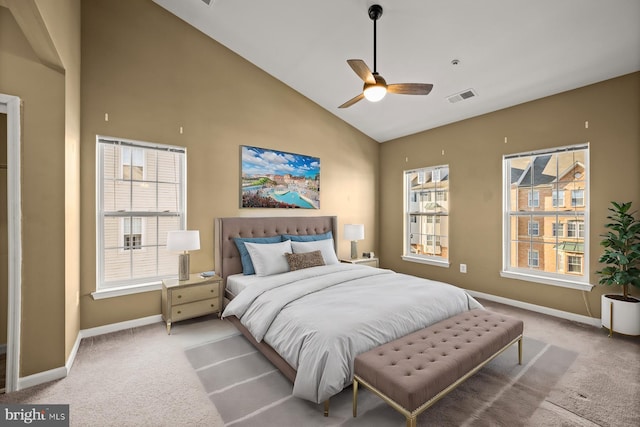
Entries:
{"x":362,"y":70}
{"x":410,"y":88}
{"x":352,"y":101}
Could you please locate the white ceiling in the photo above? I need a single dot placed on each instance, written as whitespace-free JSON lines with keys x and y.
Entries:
{"x":510,"y":51}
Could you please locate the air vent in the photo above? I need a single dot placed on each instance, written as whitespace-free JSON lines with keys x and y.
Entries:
{"x":469,"y":93}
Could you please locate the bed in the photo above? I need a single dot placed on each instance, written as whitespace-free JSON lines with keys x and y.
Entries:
{"x":312,"y":322}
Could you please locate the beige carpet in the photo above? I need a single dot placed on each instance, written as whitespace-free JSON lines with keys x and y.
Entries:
{"x":248,"y":391}
{"x":136,"y":377}
{"x":142,"y":377}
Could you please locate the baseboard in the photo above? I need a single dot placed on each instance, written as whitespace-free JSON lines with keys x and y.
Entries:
{"x":42,"y":377}
{"x":61,"y":372}
{"x":592,"y":321}
{"x":115,"y":327}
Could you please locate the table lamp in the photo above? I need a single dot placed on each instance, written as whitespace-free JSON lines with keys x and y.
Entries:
{"x":183,"y":240}
{"x":354,"y":232}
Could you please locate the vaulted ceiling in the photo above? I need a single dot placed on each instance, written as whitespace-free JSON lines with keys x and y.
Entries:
{"x":507,"y":51}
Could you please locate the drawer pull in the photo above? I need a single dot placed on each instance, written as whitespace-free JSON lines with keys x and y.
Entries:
{"x":179,"y":296}
{"x":211,"y":291}
{"x":179,"y":312}
{"x":211,"y":305}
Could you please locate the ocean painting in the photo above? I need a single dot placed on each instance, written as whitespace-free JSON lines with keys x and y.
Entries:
{"x":276,"y":179}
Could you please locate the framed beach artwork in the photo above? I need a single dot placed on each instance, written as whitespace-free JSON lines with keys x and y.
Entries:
{"x":277,"y":179}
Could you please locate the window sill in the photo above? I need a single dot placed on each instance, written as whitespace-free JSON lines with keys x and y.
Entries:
{"x":582,"y":286}
{"x":429,"y":261}
{"x":126,"y":290}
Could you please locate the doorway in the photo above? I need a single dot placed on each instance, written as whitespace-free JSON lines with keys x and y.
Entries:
{"x":10,"y":180}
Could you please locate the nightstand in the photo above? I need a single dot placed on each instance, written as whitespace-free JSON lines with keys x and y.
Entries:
{"x":371,"y":262}
{"x":194,"y":297}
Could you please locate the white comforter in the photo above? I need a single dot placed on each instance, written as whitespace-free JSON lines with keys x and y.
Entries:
{"x":319,"y":319}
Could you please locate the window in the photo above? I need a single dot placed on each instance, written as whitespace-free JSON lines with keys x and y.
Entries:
{"x":575,"y":229}
{"x":132,"y":233}
{"x":426,"y":236}
{"x":536,"y":246}
{"x":574,"y":263}
{"x":558,"y":229}
{"x":557,"y":198}
{"x":577,"y":197}
{"x":140,"y":197}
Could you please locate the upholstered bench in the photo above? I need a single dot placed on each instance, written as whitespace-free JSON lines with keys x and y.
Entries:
{"x":415,"y":371}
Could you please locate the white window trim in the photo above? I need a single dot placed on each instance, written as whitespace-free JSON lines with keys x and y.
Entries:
{"x":533,"y":196}
{"x":553,"y":281}
{"x":438,"y":262}
{"x":541,"y":276}
{"x":126,"y":290}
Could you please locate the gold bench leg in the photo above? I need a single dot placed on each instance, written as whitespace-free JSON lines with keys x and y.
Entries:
{"x":326,"y":408}
{"x":355,"y":398}
{"x":411,"y":421}
{"x":520,"y":351}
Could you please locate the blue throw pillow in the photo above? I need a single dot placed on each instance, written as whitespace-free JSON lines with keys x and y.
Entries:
{"x":245,"y":258}
{"x":308,"y":238}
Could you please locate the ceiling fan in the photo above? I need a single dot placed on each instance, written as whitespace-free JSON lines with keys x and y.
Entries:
{"x":375,"y":86}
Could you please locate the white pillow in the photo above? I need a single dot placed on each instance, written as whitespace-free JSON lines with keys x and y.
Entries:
{"x":324,"y":246}
{"x":268,"y":258}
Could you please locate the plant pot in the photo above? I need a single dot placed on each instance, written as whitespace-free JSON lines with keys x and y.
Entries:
{"x":626,"y":315}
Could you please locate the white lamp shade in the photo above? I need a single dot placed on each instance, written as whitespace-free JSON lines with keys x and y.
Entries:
{"x":354,"y":231}
{"x":183,"y":240}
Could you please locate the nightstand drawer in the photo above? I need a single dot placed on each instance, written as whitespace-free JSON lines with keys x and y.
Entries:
{"x":193,"y":309}
{"x":194,"y":293}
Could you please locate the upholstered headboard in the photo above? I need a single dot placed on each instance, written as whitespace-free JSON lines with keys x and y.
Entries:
{"x":227,"y":257}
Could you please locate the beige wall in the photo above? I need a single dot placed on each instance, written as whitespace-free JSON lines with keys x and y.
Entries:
{"x":152,"y":74}
{"x":42,"y":91}
{"x":474,"y":148}
{"x":63,"y":23}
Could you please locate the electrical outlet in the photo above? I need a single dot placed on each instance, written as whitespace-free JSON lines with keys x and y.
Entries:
{"x":463,"y":268}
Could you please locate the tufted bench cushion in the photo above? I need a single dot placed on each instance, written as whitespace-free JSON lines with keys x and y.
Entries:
{"x":413,"y":370}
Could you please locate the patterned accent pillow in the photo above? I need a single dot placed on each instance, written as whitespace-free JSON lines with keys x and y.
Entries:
{"x":304,"y":260}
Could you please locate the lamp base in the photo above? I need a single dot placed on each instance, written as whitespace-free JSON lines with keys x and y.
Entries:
{"x":354,"y":249}
{"x":183,"y":267}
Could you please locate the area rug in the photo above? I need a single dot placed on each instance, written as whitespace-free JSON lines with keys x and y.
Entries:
{"x":248,"y":390}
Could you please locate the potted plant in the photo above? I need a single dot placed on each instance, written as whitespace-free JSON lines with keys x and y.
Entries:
{"x":621,"y":313}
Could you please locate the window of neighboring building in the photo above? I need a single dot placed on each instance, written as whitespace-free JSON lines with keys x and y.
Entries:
{"x":575,"y":229}
{"x":577,"y":197}
{"x":426,"y":237}
{"x":557,"y":198}
{"x":558,"y":230}
{"x":132,"y":233}
{"x":574,"y":263}
{"x":140,"y":197}
{"x":535,"y":243}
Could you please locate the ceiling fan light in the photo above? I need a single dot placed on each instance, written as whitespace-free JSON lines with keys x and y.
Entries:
{"x":375,"y":93}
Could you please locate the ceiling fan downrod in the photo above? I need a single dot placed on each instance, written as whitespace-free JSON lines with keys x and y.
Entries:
{"x":375,"y":12}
